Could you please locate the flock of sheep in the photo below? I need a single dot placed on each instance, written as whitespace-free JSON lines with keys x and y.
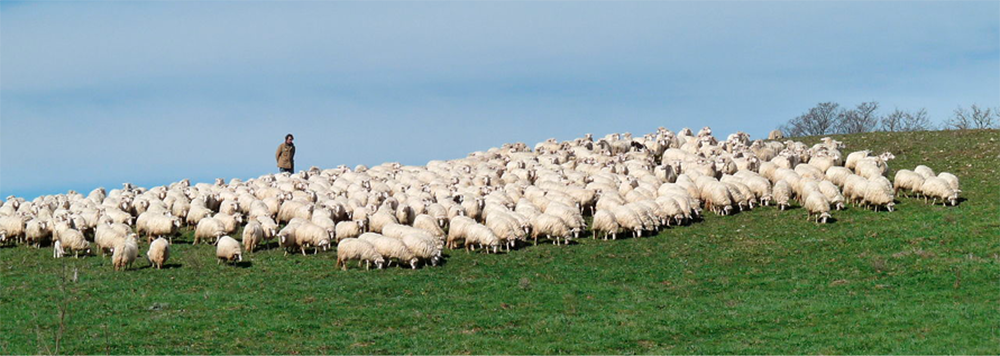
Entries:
{"x":502,"y":198}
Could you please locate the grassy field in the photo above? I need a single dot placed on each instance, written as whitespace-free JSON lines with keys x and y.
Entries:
{"x":921,"y":280}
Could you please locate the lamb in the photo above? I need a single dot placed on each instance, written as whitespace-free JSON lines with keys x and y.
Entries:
{"x":209,"y":228}
{"x":355,"y":249}
{"x":390,"y":248}
{"x":817,"y":204}
{"x":125,"y":253}
{"x":228,"y":249}
{"x":347,"y":229}
{"x":253,"y":234}
{"x":907,"y":180}
{"x":159,"y":252}
{"x":938,"y":188}
{"x":782,"y":193}
{"x":605,"y":222}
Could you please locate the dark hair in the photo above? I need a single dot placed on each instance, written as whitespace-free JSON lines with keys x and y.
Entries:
{"x":289,"y":136}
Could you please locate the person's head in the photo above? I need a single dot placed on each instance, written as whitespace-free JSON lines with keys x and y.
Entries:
{"x":289,"y":138}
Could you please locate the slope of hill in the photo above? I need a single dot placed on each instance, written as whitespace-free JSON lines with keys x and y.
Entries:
{"x":922,"y":279}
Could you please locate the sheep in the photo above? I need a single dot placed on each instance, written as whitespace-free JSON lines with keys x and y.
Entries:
{"x":907,"y":180}
{"x":782,"y":193}
{"x":717,"y":198}
{"x":346,"y":229}
{"x":355,"y":249}
{"x":36,"y":232}
{"x":159,"y":252}
{"x":228,"y":249}
{"x":605,"y":222}
{"x":424,"y":247}
{"x":838,"y":175}
{"x":253,"y":234}
{"x":878,"y":192}
{"x":308,"y":235}
{"x":482,"y":236}
{"x":429,"y":224}
{"x":381,"y":218}
{"x":107,"y":236}
{"x":854,"y":157}
{"x":209,"y":228}
{"x":457,"y":230}
{"x":924,"y":171}
{"x":775,"y":135}
{"x":832,"y":193}
{"x":72,"y":240}
{"x":817,"y":204}
{"x":938,"y":188}
{"x":390,"y":248}
{"x":553,"y":227}
{"x":231,"y":222}
{"x":952,"y":181}
{"x":125,"y":253}
{"x":11,"y":228}
{"x":269,"y":226}
{"x":161,"y":225}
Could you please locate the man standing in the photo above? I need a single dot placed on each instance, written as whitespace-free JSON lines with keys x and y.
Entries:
{"x":286,"y":155}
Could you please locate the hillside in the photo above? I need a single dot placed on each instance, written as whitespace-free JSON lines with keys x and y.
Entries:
{"x":922,"y":279}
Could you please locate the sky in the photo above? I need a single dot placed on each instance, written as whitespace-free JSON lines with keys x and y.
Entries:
{"x":148,"y":92}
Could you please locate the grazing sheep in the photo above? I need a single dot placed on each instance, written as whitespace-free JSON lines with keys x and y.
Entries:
{"x":230,"y":222}
{"x":832,"y":194}
{"x":72,"y":240}
{"x":817,"y":204}
{"x":354,"y":249}
{"x":605,"y":222}
{"x":209,"y":228}
{"x":429,"y":224}
{"x":425,"y":248}
{"x":937,"y":188}
{"x":253,"y":234}
{"x":482,"y":236}
{"x":347,"y":229}
{"x":125,"y":253}
{"x":782,"y":193}
{"x":552,"y":227}
{"x":228,"y":249}
{"x":380,"y":219}
{"x":107,"y":236}
{"x":159,"y":252}
{"x":390,"y":248}
{"x":308,"y":235}
{"x":160,"y":225}
{"x":952,"y":181}
{"x":11,"y":228}
{"x":878,"y":193}
{"x":924,"y":171}
{"x":907,"y":180}
{"x":457,"y":230}
{"x":854,"y":157}
{"x":36,"y":232}
{"x":717,"y":198}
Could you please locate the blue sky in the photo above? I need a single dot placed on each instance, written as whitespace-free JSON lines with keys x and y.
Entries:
{"x":99,"y":93}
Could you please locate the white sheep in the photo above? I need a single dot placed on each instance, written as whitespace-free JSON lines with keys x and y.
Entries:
{"x":309,"y":235}
{"x":125,"y":253}
{"x":605,"y":222}
{"x":253,"y":234}
{"x":161,"y":225}
{"x":429,"y":224}
{"x":209,"y":228}
{"x":832,"y":193}
{"x":878,"y":193}
{"x":37,"y":232}
{"x":937,"y":188}
{"x":924,"y":171}
{"x":817,"y":204}
{"x":390,"y":248}
{"x":228,"y":249}
{"x":782,"y":193}
{"x":482,"y":236}
{"x":907,"y":180}
{"x":72,"y":240}
{"x":424,"y":247}
{"x":347,"y":229}
{"x":551,"y":226}
{"x":159,"y":252}
{"x":457,"y":230}
{"x":354,"y":249}
{"x":952,"y":181}
{"x":11,"y":228}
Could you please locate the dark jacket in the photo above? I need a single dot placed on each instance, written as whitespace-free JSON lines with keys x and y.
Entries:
{"x":285,"y":156}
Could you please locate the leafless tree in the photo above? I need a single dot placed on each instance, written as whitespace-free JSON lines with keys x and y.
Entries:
{"x":860,"y":119}
{"x":974,"y":118}
{"x":918,"y":121}
{"x":819,"y":120}
{"x":900,"y":120}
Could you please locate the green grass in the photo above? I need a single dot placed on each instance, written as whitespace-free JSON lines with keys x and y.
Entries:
{"x":920,"y":280}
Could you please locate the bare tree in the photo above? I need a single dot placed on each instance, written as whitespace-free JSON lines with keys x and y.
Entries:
{"x":819,"y":120}
{"x":860,"y":119}
{"x":977,"y":118}
{"x":918,"y":121}
{"x":893,"y":122}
